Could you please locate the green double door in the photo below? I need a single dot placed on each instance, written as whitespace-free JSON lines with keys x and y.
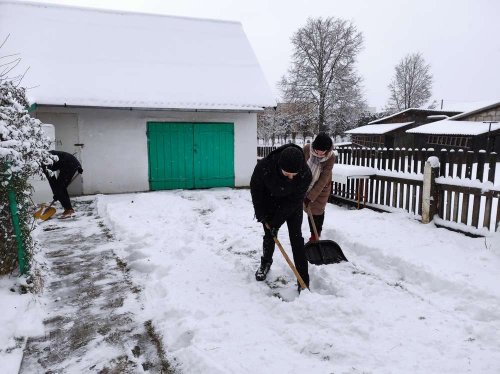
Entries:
{"x":190,"y":155}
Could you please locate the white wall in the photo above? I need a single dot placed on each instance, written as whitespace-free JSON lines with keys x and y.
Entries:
{"x":115,"y":155}
{"x":41,"y":188}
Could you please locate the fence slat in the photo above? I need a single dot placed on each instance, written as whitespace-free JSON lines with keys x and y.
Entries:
{"x":487,"y":212}
{"x":492,"y":167}
{"x":456,"y":202}
{"x":498,"y":216}
{"x":452,"y":160}
{"x":475,"y":210}
{"x":448,"y":206}
{"x":460,"y":162}
{"x":401,"y":195}
{"x":443,"y":160}
{"x":481,"y":158}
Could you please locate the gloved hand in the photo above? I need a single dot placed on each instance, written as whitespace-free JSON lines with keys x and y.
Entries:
{"x":306,"y":201}
{"x":80,"y":170}
{"x":273,"y":230}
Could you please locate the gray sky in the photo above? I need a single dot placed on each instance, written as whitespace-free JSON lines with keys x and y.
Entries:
{"x":460,"y":39}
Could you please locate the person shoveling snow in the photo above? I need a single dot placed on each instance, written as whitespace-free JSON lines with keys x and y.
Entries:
{"x":278,"y":187}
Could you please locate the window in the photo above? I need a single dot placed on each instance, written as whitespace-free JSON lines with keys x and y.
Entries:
{"x":368,"y":141}
{"x":451,"y":141}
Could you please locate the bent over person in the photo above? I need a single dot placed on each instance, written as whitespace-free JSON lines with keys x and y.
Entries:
{"x":68,"y":166}
{"x":278,"y":187}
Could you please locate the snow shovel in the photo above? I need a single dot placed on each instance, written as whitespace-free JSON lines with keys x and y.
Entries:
{"x":322,"y":252}
{"x":290,"y":263}
{"x":45,"y":213}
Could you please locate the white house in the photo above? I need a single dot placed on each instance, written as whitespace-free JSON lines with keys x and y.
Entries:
{"x":145,"y":101}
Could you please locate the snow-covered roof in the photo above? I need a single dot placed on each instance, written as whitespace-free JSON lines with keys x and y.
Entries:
{"x":380,"y":128}
{"x":437,"y":111}
{"x":451,"y":127}
{"x":477,"y":110}
{"x":90,"y":57}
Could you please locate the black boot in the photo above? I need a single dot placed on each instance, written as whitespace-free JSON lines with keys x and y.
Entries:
{"x":306,"y":281}
{"x":263,"y":269}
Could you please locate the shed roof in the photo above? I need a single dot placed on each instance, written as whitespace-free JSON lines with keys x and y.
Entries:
{"x":451,"y":127}
{"x":90,"y":57}
{"x":430,"y":111}
{"x":379,"y":129}
{"x":483,"y":108}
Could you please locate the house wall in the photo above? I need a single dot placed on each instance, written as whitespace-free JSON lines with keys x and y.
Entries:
{"x":492,"y":114}
{"x":114,"y":153}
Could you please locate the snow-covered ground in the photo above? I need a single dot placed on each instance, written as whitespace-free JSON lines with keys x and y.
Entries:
{"x":20,"y":316}
{"x":413,"y":298}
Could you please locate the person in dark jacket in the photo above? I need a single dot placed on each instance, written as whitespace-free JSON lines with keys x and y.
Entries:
{"x":68,"y":166}
{"x":278,"y":187}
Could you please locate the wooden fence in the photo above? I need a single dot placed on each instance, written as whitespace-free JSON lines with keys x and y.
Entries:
{"x":467,"y":185}
{"x":263,"y":151}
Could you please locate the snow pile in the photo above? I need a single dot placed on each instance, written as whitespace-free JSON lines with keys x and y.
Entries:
{"x":413,"y":298}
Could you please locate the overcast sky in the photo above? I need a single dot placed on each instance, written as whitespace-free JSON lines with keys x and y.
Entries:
{"x":459,"y":38}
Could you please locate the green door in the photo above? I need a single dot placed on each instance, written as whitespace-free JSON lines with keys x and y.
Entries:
{"x":170,"y":155}
{"x":213,"y":155}
{"x":190,"y":155}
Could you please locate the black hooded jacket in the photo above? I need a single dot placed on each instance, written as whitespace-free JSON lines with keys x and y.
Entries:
{"x":65,"y":160}
{"x":274,"y":196}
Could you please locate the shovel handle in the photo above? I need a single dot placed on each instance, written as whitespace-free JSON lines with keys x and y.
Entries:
{"x":290,"y":263}
{"x":311,"y":219}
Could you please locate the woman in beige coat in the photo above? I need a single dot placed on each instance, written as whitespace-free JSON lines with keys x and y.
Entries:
{"x":320,"y":159}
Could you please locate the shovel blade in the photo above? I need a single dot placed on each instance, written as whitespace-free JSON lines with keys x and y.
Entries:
{"x":39,"y":211}
{"x":324,"y":252}
{"x":49,"y":212}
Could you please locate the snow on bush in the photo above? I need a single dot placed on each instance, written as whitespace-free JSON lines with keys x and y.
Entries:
{"x":23,"y":148}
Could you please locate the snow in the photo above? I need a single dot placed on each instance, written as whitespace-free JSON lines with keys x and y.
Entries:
{"x":89,"y":57}
{"x":380,"y":128}
{"x":433,"y":161}
{"x":413,"y":298}
{"x":438,"y":111}
{"x":451,"y":127}
{"x":21,"y":316}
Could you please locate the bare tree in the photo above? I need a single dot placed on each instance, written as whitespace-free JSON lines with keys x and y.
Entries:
{"x":322,"y":68}
{"x":412,"y":84}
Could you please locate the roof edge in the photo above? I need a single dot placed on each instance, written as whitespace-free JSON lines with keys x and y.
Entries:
{"x":36,"y":106}
{"x":112,"y":11}
{"x":474,"y":111}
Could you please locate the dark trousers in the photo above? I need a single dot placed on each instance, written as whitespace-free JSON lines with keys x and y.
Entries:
{"x":60,"y":185}
{"x":294,"y":223}
{"x":318,"y":220}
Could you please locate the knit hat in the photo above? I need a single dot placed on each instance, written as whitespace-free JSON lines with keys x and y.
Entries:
{"x":291,"y":160}
{"x":323,"y":142}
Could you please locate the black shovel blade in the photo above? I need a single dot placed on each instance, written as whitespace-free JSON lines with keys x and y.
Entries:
{"x":324,"y":252}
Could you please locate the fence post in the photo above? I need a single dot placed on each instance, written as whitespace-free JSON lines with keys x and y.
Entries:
{"x":430,"y":195}
{"x":17,"y":231}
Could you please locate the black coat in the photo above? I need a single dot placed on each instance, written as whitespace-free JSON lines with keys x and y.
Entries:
{"x":66,"y":161}
{"x":274,"y":196}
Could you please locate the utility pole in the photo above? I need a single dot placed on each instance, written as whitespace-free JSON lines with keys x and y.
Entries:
{"x":488,"y":150}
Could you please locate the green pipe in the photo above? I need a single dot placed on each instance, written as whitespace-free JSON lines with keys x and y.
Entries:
{"x":17,"y":232}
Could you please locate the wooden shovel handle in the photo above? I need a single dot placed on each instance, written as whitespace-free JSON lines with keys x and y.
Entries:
{"x":311,"y":219}
{"x":290,"y":263}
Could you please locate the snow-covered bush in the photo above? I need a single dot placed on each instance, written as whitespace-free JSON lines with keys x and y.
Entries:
{"x":23,"y":148}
